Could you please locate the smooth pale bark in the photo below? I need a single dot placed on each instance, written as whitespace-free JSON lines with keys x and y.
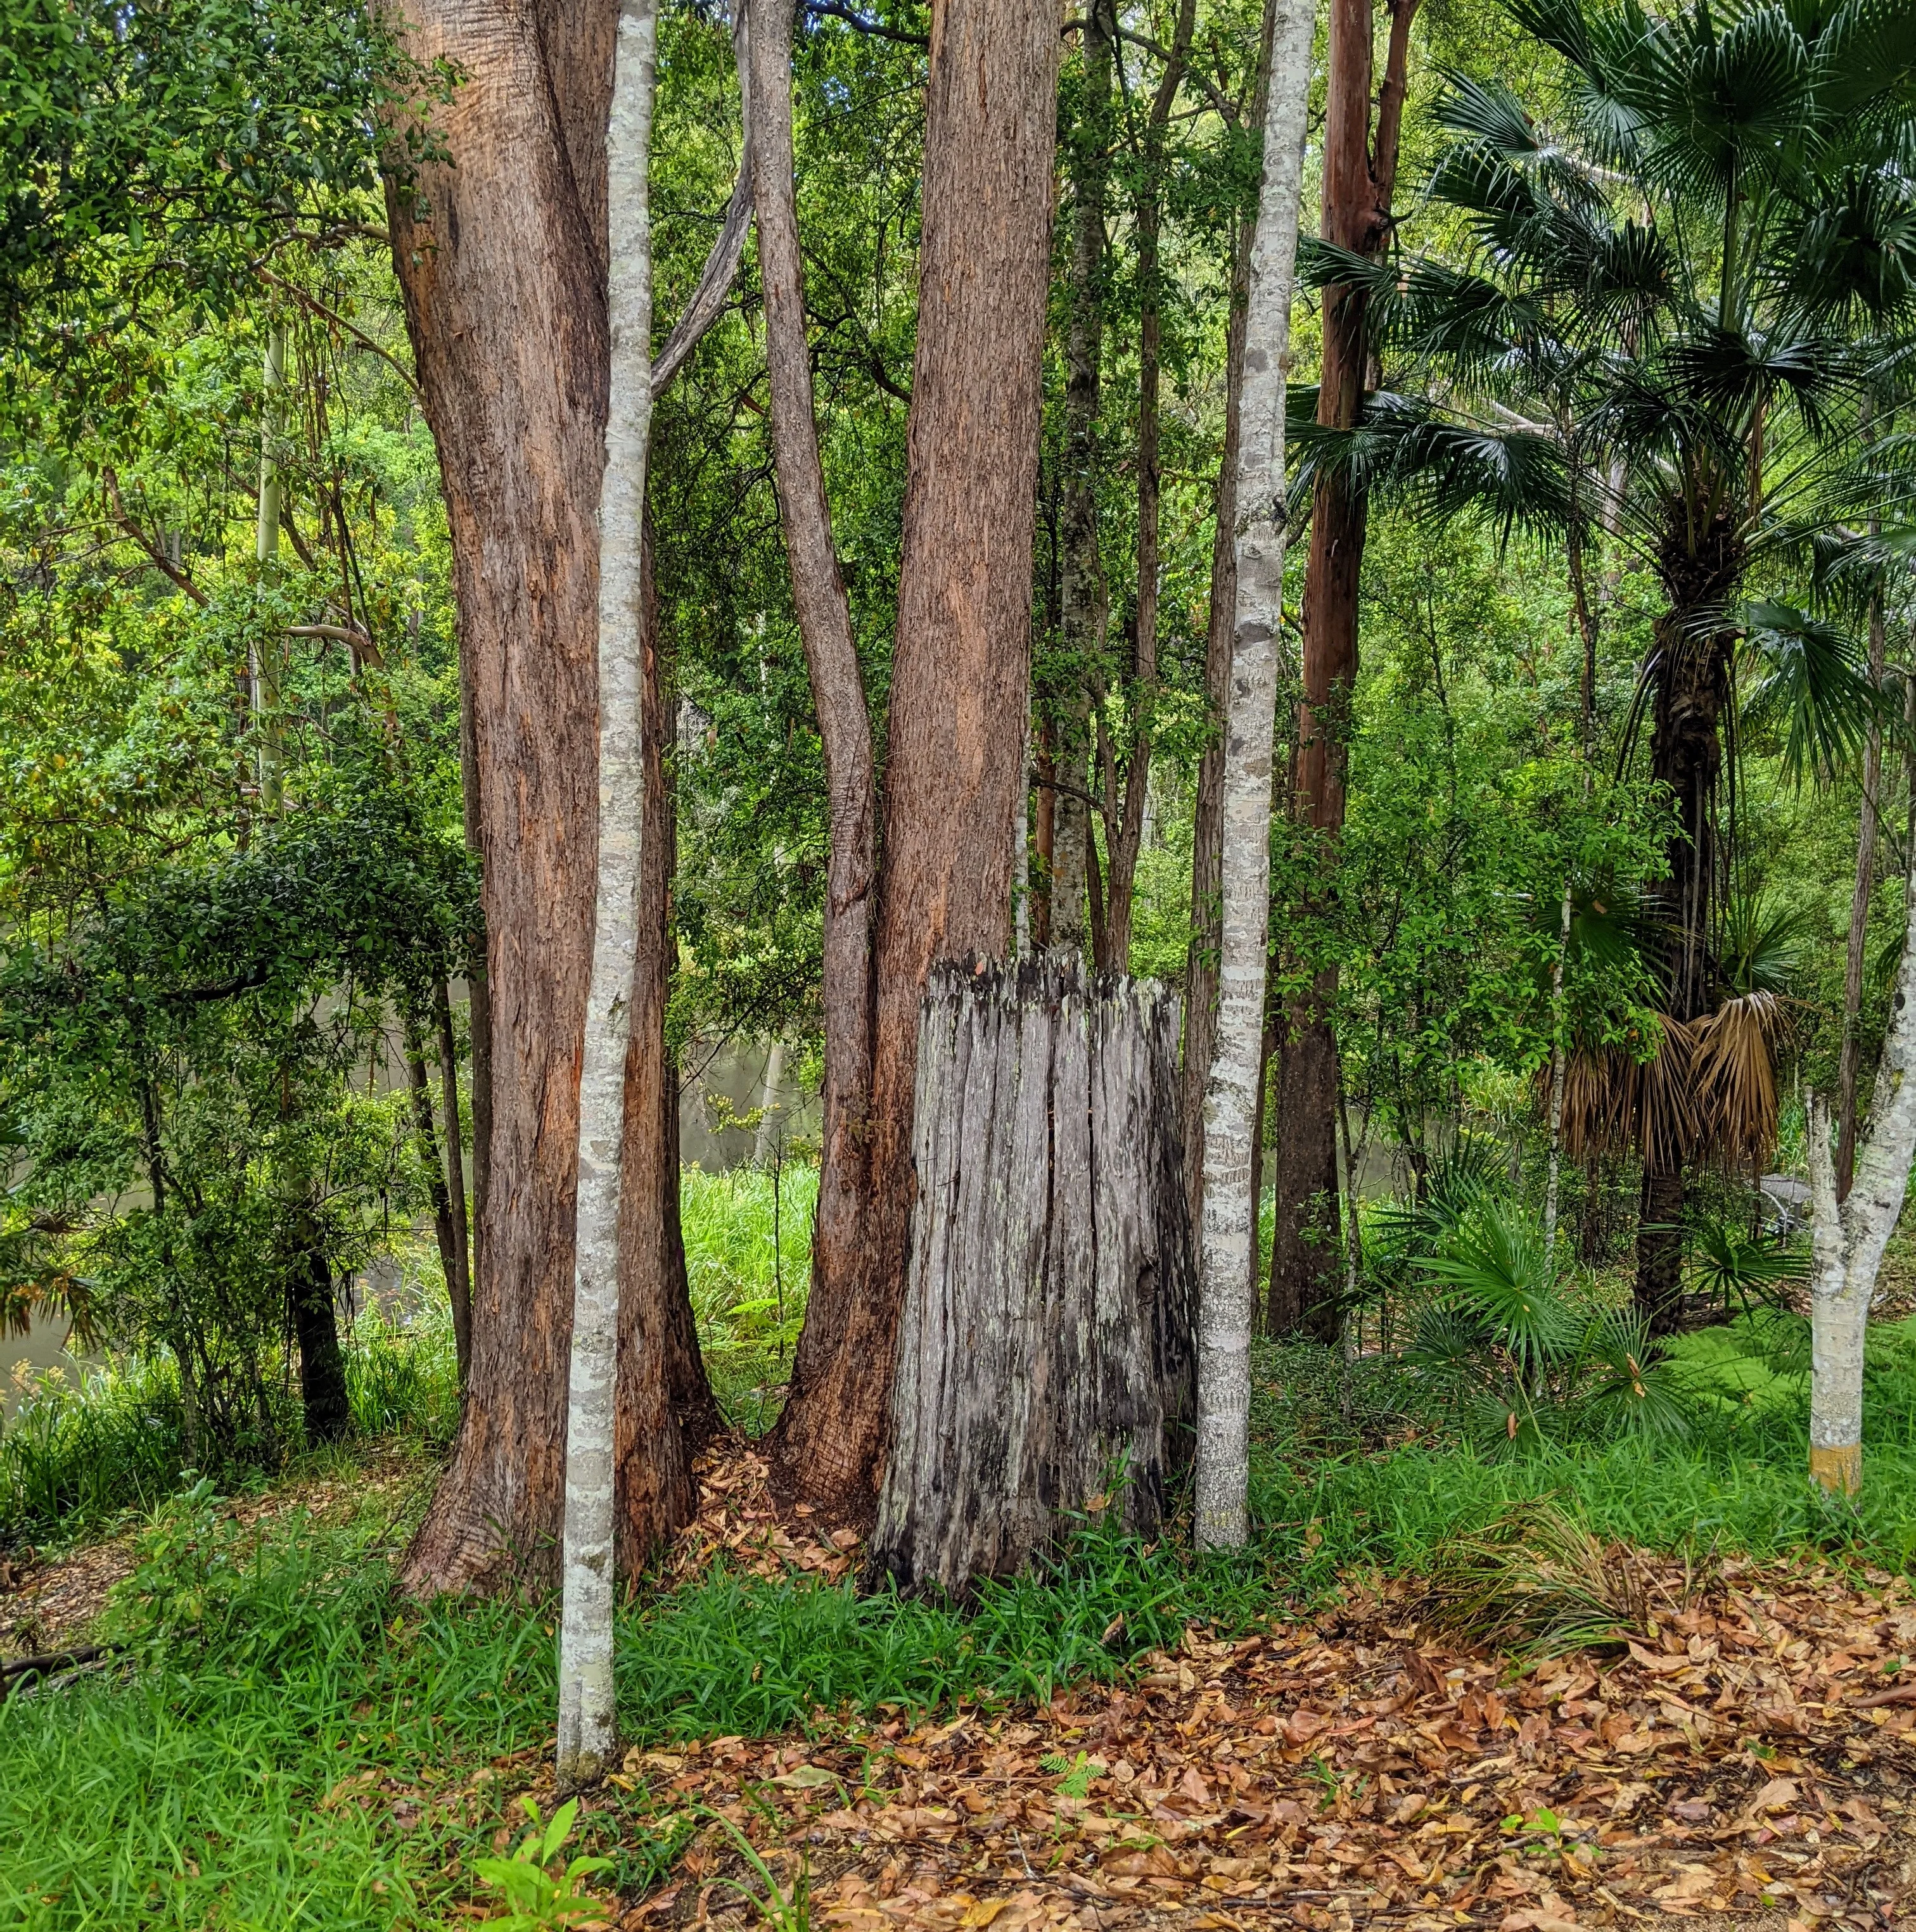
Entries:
{"x":1848,"y":1235}
{"x":1852,"y":1050}
{"x":1083,"y":601}
{"x":839,"y":1254}
{"x":1208,"y":826}
{"x":1223,"y":1345}
{"x":587,"y":1718}
{"x":961,"y":670}
{"x":764,"y":1137}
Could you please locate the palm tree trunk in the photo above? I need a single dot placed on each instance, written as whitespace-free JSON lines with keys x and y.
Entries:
{"x":1224,"y":1343}
{"x":587,"y":1716}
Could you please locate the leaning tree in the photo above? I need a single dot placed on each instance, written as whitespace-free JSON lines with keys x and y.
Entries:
{"x":1686,"y":289}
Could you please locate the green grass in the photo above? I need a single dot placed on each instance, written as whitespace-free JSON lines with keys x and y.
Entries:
{"x":749,"y":1311}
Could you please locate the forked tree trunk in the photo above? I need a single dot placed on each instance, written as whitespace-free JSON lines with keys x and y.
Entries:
{"x":1848,"y":1237}
{"x":1230,"y":1214}
{"x":960,"y":677}
{"x":666,"y":1411}
{"x":1044,"y":1355}
{"x":838,"y":688}
{"x":499,"y":253}
{"x":1360,"y":173}
{"x":588,"y":1718}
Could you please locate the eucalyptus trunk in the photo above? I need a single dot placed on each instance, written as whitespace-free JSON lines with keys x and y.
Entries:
{"x":1848,"y":1236}
{"x":1230,"y":1225}
{"x":587,"y":1716}
{"x":839,"y":1254}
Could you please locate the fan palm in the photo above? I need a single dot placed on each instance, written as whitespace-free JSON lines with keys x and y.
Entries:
{"x":1686,"y":291}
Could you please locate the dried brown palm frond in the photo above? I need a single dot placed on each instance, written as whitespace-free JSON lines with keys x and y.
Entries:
{"x":1614,"y":1102}
{"x":1536,"y":1577}
{"x":1736,"y":1078}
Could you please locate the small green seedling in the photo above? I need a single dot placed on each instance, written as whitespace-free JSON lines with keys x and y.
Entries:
{"x":1074,"y":1776}
{"x":535,"y":1900}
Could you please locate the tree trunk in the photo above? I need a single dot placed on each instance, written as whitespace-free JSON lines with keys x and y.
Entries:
{"x":1692,"y":686}
{"x":588,"y":1716}
{"x":478,"y":994}
{"x":1360,"y":171}
{"x":459,"y":1275}
{"x":1044,"y":1353}
{"x":1559,"y":1059}
{"x":1124,"y":810}
{"x":1230,"y":1225}
{"x":426,"y":1131}
{"x":764,"y":1135}
{"x":960,"y":670}
{"x":1300,"y":1291}
{"x":324,"y":1404}
{"x":839,"y":1256}
{"x":666,"y":1412}
{"x":501,"y":256}
{"x":1207,"y":827}
{"x":1084,"y":608}
{"x":1851,"y":1051}
{"x":1847,"y":1237}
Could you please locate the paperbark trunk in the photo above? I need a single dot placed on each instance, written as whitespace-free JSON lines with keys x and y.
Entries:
{"x":1223,"y":1346}
{"x":588,"y":1719}
{"x":1851,"y":1051}
{"x":1849,"y":1237}
{"x":838,"y":1253}
{"x":501,"y":256}
{"x":1207,"y":827}
{"x":960,"y":670}
{"x":1360,"y":171}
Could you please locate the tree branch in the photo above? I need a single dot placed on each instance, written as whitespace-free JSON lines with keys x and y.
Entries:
{"x":325,"y":314}
{"x":155,"y":555}
{"x":835,"y":9}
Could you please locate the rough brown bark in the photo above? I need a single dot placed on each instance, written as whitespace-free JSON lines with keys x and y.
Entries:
{"x":961,"y":668}
{"x":1045,"y":1348}
{"x":838,"y":688}
{"x":1360,"y":171}
{"x":1083,"y":601}
{"x":500,"y":254}
{"x":666,"y":1412}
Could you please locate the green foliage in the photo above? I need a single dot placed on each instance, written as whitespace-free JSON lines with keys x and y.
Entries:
{"x":534,"y":1899}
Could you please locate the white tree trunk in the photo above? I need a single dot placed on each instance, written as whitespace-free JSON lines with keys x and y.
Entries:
{"x":1848,"y":1239}
{"x":1229,"y":1223}
{"x":764,"y":1136}
{"x":587,"y":1725}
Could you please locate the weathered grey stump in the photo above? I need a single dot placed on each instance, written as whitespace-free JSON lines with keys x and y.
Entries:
{"x":1045,"y":1352}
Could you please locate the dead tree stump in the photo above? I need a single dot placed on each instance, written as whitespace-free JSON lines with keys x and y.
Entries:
{"x":1044,"y":1354}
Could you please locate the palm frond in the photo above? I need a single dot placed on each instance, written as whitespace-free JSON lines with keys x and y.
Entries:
{"x":1812,"y":681}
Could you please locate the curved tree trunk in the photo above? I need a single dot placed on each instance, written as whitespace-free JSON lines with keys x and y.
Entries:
{"x":838,"y":687}
{"x":960,"y":679}
{"x":500,"y":255}
{"x":1230,"y":1212}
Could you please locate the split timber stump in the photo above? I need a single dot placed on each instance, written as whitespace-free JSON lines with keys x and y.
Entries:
{"x":1045,"y":1357}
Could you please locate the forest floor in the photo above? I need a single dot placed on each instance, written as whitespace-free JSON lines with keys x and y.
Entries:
{"x":1748,"y":1760}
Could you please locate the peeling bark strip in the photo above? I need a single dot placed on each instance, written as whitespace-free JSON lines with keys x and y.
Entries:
{"x":1230,"y":1215}
{"x":1847,"y":1237}
{"x":587,"y":1719}
{"x":1044,"y":1353}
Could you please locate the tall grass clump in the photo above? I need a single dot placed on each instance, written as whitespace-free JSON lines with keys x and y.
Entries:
{"x":402,"y":1370}
{"x":748,"y":1290}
